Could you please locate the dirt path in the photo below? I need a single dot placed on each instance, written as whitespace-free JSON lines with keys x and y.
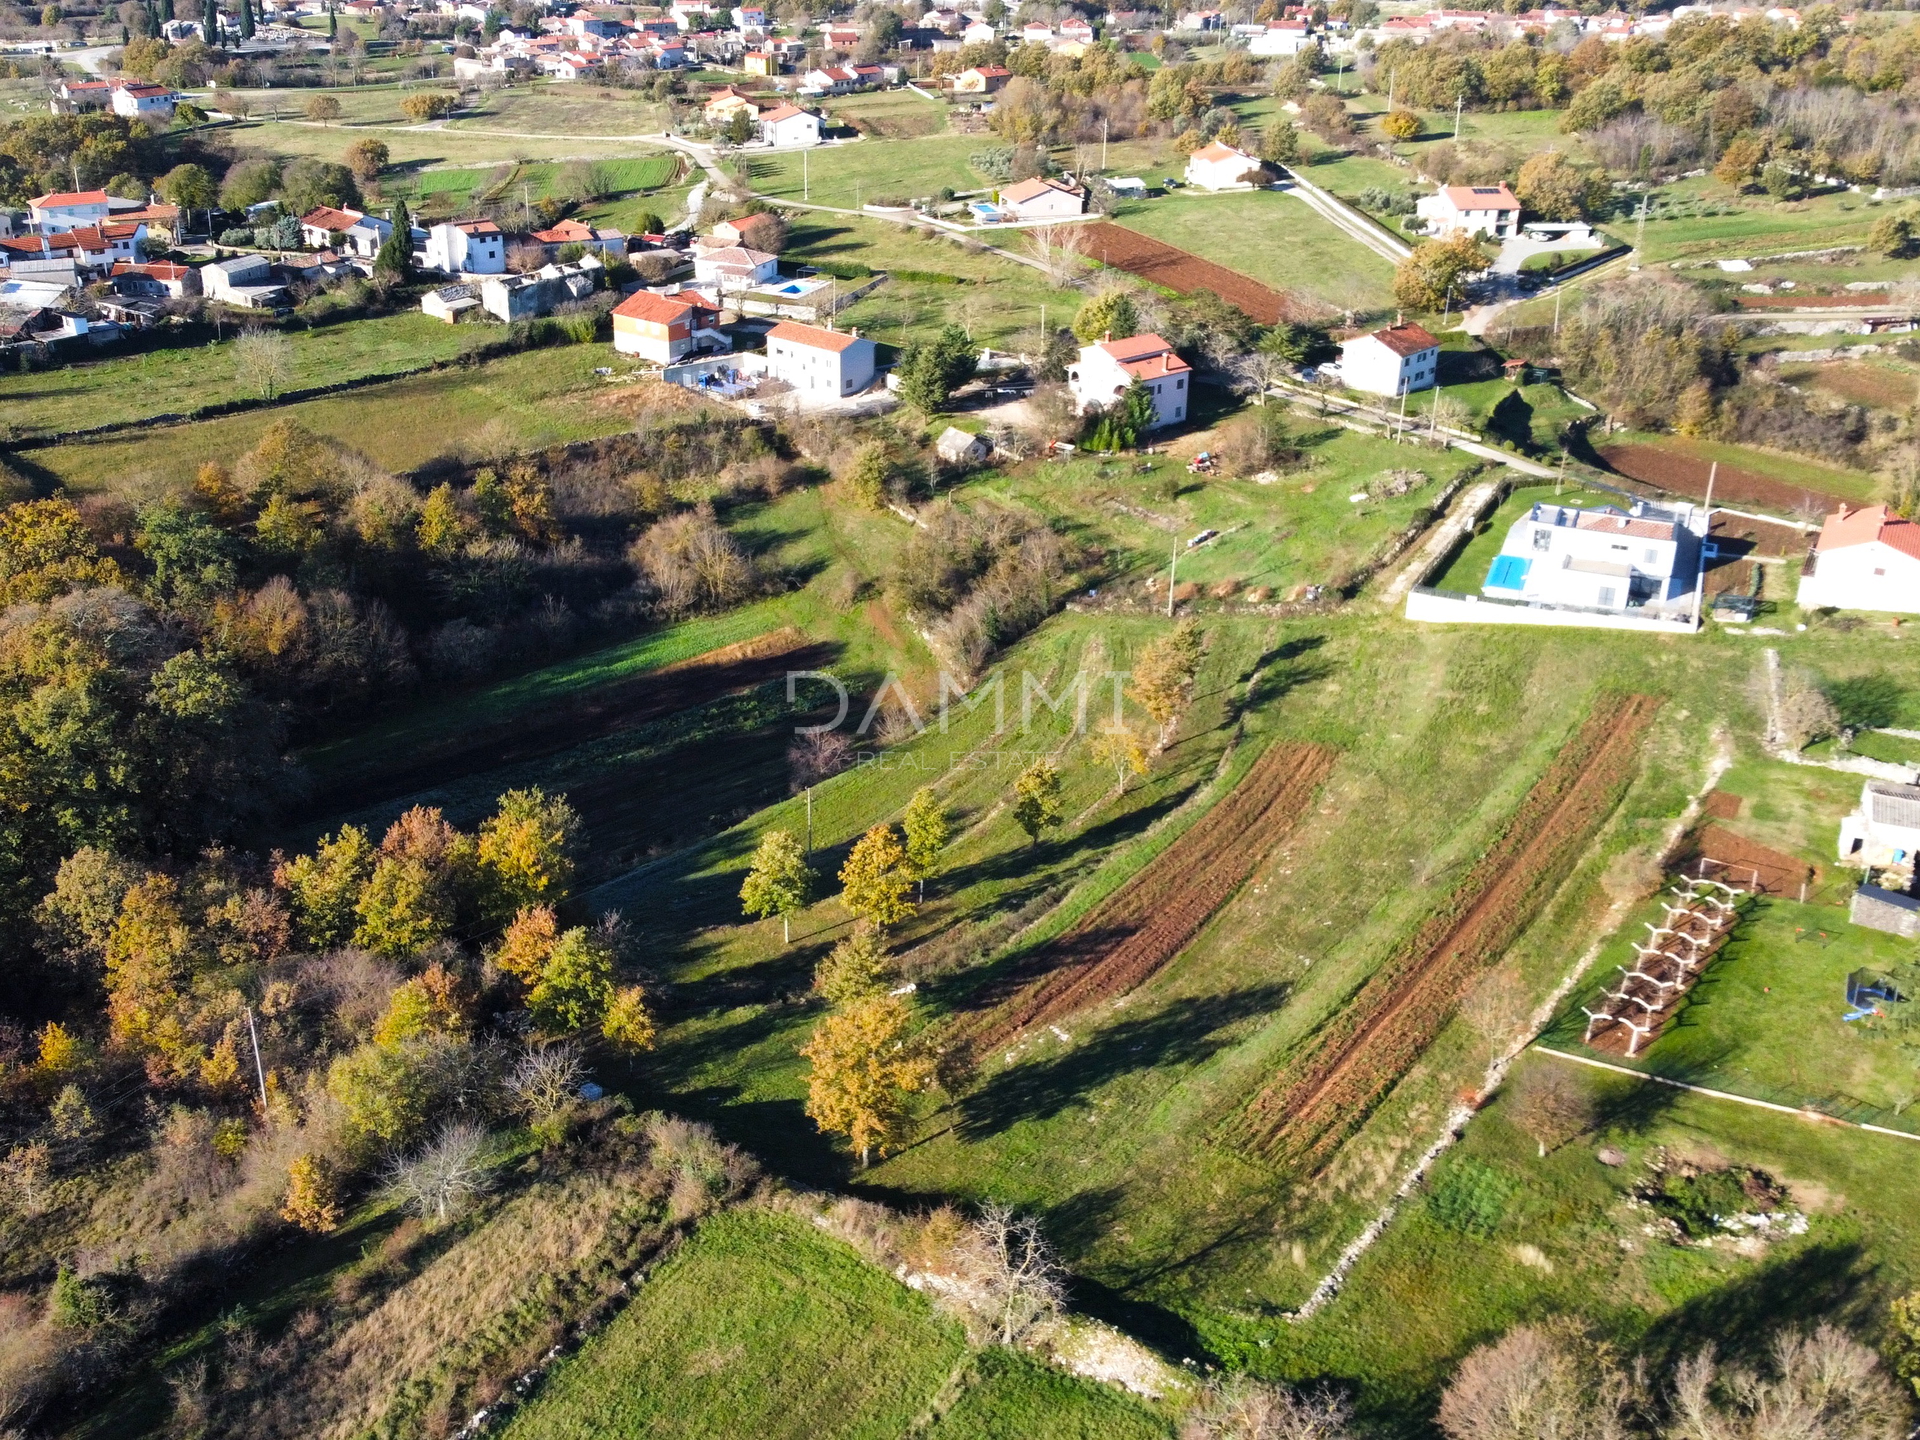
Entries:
{"x":1466,"y":513}
{"x":1362,"y":1053}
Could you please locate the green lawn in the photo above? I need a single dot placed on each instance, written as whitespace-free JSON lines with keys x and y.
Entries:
{"x":542,"y":397}
{"x":1271,"y":237}
{"x":158,"y":382}
{"x":867,"y":171}
{"x":762,"y":1325}
{"x":409,"y":144}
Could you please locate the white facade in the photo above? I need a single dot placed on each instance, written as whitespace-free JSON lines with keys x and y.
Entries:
{"x":1393,"y":361}
{"x":472,"y":247}
{"x":1106,"y":370}
{"x":789,"y":125}
{"x":51,"y":214}
{"x":1489,"y":210}
{"x":1219,"y":167}
{"x":734,"y":268}
{"x":1599,"y":559}
{"x":1041,"y":199}
{"x":1885,"y":830}
{"x":245,"y":280}
{"x":1865,"y":559}
{"x":1286,"y":37}
{"x":819,"y":364}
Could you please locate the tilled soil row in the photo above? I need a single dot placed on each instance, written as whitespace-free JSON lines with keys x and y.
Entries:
{"x":1184,"y":272}
{"x":1364,"y":1050}
{"x":1144,"y":925}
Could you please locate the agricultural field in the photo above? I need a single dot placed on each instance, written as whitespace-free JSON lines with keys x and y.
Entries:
{"x":120,"y":389}
{"x":1271,"y":237}
{"x":1779,"y":483}
{"x":871,"y":171}
{"x":538,"y":398}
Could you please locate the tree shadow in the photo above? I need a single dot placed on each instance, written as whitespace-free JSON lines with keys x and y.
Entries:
{"x":1512,"y":421}
{"x":1186,"y":1031}
{"x":1825,"y":1282}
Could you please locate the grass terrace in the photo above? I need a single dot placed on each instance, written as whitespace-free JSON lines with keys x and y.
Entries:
{"x":865,"y":171}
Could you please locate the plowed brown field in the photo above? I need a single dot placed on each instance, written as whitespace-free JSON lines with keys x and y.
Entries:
{"x":1370,"y":1043}
{"x":1144,"y":925}
{"x":1745,"y":863}
{"x":1184,"y":273}
{"x":1679,"y":474}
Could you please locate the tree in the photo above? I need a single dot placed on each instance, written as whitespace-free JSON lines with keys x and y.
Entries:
{"x":1108,"y":315}
{"x":527,"y":942}
{"x":738,"y":129}
{"x":246,"y":20}
{"x":779,"y":880}
{"x":395,"y":257}
{"x":249,"y":183}
{"x":877,"y":877}
{"x":307,"y":184}
{"x":367,"y":158}
{"x":1534,"y":1381}
{"x":442,"y":528}
{"x":324,"y":887}
{"x":430,"y":105}
{"x":546,"y":1079}
{"x":1436,"y":272}
{"x":628,"y":1023}
{"x":1036,"y":799}
{"x":1401,"y":124}
{"x":1162,"y":682}
{"x":1820,"y":1386}
{"x":439,"y":1181}
{"x":1119,"y":745}
{"x":188,"y":186}
{"x":574,"y":989}
{"x":1552,"y":1104}
{"x":1554,"y":188}
{"x":863,"y":1068}
{"x":525,"y":851}
{"x":323,"y":109}
{"x":1891,"y":236}
{"x":1010,"y":1274}
{"x":264,"y":360}
{"x":872,"y":468}
{"x":855,"y":969}
{"x":932,"y":370}
{"x":928,"y":829}
{"x":1280,"y":143}
{"x":1905,"y":1314}
{"x":312,"y":1201}
{"x":414,"y":895}
{"x":193,"y":559}
{"x":1805,"y":713}
{"x":1740,"y":161}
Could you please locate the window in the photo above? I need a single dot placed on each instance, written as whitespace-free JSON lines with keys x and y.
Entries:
{"x":1653,"y":556}
{"x":1879,"y":572}
{"x":1543,"y":538}
{"x":1605,"y":597}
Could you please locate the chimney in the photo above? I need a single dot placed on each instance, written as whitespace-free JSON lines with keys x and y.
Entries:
{"x":1107,"y":336}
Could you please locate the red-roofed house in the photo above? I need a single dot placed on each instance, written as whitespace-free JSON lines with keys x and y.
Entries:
{"x":155,"y":277}
{"x":789,"y":125}
{"x":610,"y":243}
{"x":1107,"y":368}
{"x":68,"y":210}
{"x":1489,"y":210}
{"x":820,"y":364}
{"x":1221,"y":167}
{"x":1393,"y":361}
{"x":664,"y":328}
{"x":1866,"y":559}
{"x":1042,"y":199}
{"x":982,"y":80}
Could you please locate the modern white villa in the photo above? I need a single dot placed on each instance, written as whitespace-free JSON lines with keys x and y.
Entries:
{"x":1644,"y":560}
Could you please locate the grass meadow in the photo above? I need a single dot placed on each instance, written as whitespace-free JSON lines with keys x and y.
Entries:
{"x":1272,"y":237}
{"x":761,"y":1325}
{"x":866,"y":171}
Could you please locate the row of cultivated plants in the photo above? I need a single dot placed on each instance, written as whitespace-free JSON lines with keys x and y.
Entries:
{"x":870,"y":1054}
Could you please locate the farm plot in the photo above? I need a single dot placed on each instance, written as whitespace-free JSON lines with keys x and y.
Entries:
{"x":1665,"y":468}
{"x":1179,"y":271}
{"x":1718,"y":853}
{"x":1364,"y":1050}
{"x":1124,"y":942}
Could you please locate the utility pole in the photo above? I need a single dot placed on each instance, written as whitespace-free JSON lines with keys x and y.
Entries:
{"x":258,"y":1069}
{"x":806,"y":185}
{"x":1556,"y":311}
{"x":1458,"y":101}
{"x":1640,"y":229}
{"x":1103,"y":144}
{"x":1173,"y":568}
{"x":809,"y":819}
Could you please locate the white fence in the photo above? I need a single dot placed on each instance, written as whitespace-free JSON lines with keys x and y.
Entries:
{"x":1444,"y":607}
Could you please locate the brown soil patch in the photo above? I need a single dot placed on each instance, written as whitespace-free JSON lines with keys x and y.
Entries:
{"x":1857,"y":382}
{"x":571,"y":721}
{"x":1618,"y":1039}
{"x":1184,"y":273}
{"x":1752,"y":865}
{"x":1686,"y":476}
{"x":1361,"y":1053}
{"x":1137,"y":930}
{"x":1719,"y":805}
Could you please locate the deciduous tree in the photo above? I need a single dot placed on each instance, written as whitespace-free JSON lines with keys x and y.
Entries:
{"x":779,"y":880}
{"x":1036,"y":799}
{"x":1109,"y":315}
{"x":1163,"y":676}
{"x":877,"y":878}
{"x":928,"y":828}
{"x":1435,"y":274}
{"x":863,"y":1068}
{"x":853,"y":970}
{"x":525,"y":851}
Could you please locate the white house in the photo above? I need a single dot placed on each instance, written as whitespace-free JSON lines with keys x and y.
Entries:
{"x":318,"y":227}
{"x":450,"y":302}
{"x":137,"y":100}
{"x":1282,"y":37}
{"x":665,"y":328}
{"x":787,"y":125}
{"x":1601,"y":559}
{"x":466,"y":247}
{"x":734,"y":267}
{"x":1220,"y":167}
{"x":1488,"y":210}
{"x":68,"y":210}
{"x":1885,"y":830}
{"x":1107,"y":368}
{"x":819,"y":364}
{"x":1393,"y":361}
{"x":1865,"y":559}
{"x":1042,"y":199}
